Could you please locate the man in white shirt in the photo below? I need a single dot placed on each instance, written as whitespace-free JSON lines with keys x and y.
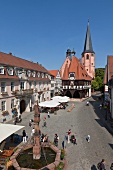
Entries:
{"x":88,"y":138}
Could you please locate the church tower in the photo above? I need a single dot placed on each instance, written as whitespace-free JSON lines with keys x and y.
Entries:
{"x":88,"y":55}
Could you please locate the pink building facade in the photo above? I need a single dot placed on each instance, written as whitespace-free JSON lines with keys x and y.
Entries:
{"x":22,"y":83}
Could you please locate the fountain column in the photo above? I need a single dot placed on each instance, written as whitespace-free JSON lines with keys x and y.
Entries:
{"x":36,"y":146}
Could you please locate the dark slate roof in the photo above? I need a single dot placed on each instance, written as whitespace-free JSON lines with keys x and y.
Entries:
{"x":88,"y":43}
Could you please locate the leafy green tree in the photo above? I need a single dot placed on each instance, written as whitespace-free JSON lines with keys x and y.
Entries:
{"x":97,"y":83}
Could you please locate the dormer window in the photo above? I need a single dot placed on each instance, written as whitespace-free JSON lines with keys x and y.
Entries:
{"x":49,"y":77}
{"x":33,"y":73}
{"x":19,"y":72}
{"x":38,"y":75}
{"x":46,"y":75}
{"x":10,"y":71}
{"x":72,"y":76}
{"x":29,"y":73}
{"x":42,"y":75}
{"x":1,"y":70}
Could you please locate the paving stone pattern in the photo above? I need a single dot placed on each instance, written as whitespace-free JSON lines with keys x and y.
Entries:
{"x":82,"y":120}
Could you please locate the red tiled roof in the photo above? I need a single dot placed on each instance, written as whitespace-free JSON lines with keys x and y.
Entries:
{"x":11,"y":60}
{"x":53,"y":72}
{"x":77,"y":68}
{"x":66,"y":72}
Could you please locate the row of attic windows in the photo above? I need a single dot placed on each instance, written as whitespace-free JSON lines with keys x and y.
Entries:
{"x":18,"y":71}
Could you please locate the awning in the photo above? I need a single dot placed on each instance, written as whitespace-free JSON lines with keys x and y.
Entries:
{"x":51,"y":103}
{"x":7,"y":129}
{"x":61,"y":99}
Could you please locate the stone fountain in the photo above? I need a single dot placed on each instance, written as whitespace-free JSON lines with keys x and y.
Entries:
{"x":37,"y":150}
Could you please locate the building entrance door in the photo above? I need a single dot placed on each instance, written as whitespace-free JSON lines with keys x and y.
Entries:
{"x":22,"y":106}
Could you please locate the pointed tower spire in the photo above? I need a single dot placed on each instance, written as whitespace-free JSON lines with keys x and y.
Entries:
{"x":88,"y":55}
{"x":88,"y":43}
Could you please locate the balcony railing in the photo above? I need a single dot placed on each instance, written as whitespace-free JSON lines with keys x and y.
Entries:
{"x":22,"y":92}
{"x":4,"y":93}
{"x":77,"y":87}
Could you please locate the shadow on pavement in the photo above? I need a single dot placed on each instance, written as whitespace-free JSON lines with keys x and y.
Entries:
{"x":99,"y":121}
{"x":103,"y":115}
{"x":93,"y":167}
{"x":111,"y":145}
{"x":13,"y":141}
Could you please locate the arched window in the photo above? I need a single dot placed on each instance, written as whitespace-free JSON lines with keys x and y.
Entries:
{"x":38,"y":75}
{"x":33,"y":73}
{"x":87,"y":56}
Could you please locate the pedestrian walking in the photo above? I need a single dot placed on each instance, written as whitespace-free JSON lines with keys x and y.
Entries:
{"x":32,"y":132}
{"x":42,"y":137}
{"x":48,"y":114}
{"x":63,"y":146}
{"x":111,"y":167}
{"x":101,"y":165}
{"x":88,"y":138}
{"x":56,"y":139}
{"x":65,"y":141}
{"x":44,"y":123}
{"x":45,"y":139}
{"x":73,"y":139}
{"x":100,"y":106}
{"x":68,"y":135}
{"x":30,"y":123}
{"x":24,"y":135}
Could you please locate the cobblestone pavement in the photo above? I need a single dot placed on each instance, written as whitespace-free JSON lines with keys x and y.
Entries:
{"x":82,"y":120}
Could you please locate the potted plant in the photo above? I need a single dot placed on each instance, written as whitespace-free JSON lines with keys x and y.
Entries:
{"x":62,"y":155}
{"x":60,"y":166}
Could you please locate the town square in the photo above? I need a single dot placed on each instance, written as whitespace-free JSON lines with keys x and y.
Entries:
{"x":56,"y":85}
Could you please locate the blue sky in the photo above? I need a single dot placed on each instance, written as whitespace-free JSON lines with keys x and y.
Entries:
{"x":42,"y":30}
